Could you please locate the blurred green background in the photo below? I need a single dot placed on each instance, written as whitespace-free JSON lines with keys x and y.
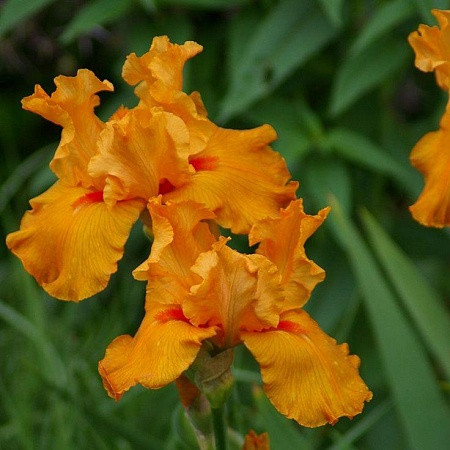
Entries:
{"x":337,"y":81}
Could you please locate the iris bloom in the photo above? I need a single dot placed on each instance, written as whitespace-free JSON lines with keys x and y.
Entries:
{"x":199,"y":290}
{"x":75,"y":233}
{"x":431,"y":155}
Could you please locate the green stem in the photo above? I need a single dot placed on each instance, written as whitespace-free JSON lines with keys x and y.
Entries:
{"x":219,"y":428}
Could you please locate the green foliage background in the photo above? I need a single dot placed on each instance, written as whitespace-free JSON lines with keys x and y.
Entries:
{"x":337,"y":81}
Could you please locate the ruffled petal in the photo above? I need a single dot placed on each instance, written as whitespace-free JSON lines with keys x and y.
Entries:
{"x":137,"y":160}
{"x":432,"y":48}
{"x":164,"y":347}
{"x":72,"y":106}
{"x":431,"y":156}
{"x":306,"y":375}
{"x":237,"y":292}
{"x":71,"y":240}
{"x":282,"y":241}
{"x":180,"y":235}
{"x":163,"y":62}
{"x":239,"y":177}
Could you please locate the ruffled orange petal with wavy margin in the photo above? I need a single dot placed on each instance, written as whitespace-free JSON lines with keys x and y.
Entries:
{"x":431,"y":156}
{"x":72,"y":106}
{"x":306,"y":375}
{"x":164,"y":347}
{"x":163,"y":62}
{"x":71,"y":240}
{"x":237,"y":292}
{"x":239,"y":177}
{"x":180,"y":235}
{"x":282,"y":240}
{"x":432,"y":48}
{"x":137,"y":160}
{"x":158,"y":76}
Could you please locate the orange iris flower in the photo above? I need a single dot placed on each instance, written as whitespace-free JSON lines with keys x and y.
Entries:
{"x":75,"y":233}
{"x":431,"y":155}
{"x":201,"y":290}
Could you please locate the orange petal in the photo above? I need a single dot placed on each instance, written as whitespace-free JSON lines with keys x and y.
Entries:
{"x":282,"y":240}
{"x":254,"y":441}
{"x":237,"y":292}
{"x":164,"y":347}
{"x":136,"y":158}
{"x":431,"y":156}
{"x":72,"y":106}
{"x":432,"y":48}
{"x":239,"y":177}
{"x":71,"y":240}
{"x":306,"y":375}
{"x":164,"y":62}
{"x":180,"y":235}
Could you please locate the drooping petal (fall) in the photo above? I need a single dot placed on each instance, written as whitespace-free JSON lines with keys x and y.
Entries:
{"x":431,"y":156}
{"x":71,"y":240}
{"x":163,"y":62}
{"x":164,"y":347}
{"x":137,"y":159}
{"x":72,"y":106}
{"x":282,"y":241}
{"x":180,"y":235}
{"x":239,"y":177}
{"x":432,"y":48}
{"x":306,"y":375}
{"x":237,"y":292}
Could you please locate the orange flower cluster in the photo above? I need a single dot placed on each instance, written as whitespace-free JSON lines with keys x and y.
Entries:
{"x":431,"y":155}
{"x":166,"y":162}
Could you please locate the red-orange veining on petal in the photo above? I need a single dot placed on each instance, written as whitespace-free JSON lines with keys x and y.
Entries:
{"x":291,"y":327}
{"x":91,"y":197}
{"x":204,"y":163}
{"x":171,"y":314}
{"x":165,"y":186}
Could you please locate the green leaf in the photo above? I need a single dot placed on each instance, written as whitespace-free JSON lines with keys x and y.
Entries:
{"x":293,"y":142}
{"x":385,"y":18}
{"x":333,"y":10}
{"x":363,"y":425}
{"x":16,"y":11}
{"x":283,"y":434}
{"x":291,"y":33}
{"x":360,"y":73}
{"x":323,"y":176}
{"x":55,"y":372}
{"x":23,"y":171}
{"x":424,"y":7}
{"x":204,"y":4}
{"x":425,"y":307}
{"x":360,"y":150}
{"x":420,"y":406}
{"x":96,"y":13}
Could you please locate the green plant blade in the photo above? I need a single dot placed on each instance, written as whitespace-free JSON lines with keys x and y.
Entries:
{"x":56,"y":373}
{"x":286,"y":38}
{"x":282,"y":432}
{"x":360,"y":150}
{"x":420,"y":406}
{"x":333,"y":10}
{"x":15,"y":11}
{"x":99,"y":12}
{"x":363,"y":426}
{"x":428,"y":312}
{"x":360,"y":73}
{"x":387,"y":16}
